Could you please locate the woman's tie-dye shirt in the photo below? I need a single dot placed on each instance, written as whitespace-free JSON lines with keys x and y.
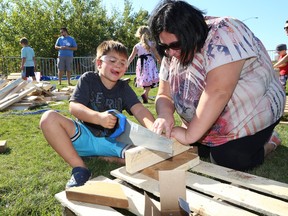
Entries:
{"x":258,"y":99}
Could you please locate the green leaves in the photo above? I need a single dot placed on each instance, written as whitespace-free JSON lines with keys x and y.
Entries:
{"x":87,"y":21}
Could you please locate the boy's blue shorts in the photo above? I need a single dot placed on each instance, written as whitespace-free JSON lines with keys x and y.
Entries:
{"x":86,"y":144}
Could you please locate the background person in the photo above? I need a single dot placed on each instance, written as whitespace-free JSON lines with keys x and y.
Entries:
{"x":284,"y":59}
{"x":28,"y":61}
{"x":283,"y":68}
{"x":146,"y":68}
{"x":66,"y":45}
{"x":220,"y":80}
{"x":95,"y":94}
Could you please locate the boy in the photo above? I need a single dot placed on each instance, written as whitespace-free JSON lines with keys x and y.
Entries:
{"x":283,"y":67}
{"x":95,"y":93}
{"x":28,"y":62}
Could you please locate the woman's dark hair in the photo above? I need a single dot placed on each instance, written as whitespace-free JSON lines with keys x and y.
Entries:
{"x":183,"y":20}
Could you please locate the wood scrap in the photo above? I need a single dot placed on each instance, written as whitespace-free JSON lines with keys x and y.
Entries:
{"x":139,"y":157}
{"x":19,"y":94}
{"x":101,"y":193}
{"x":3,"y":146}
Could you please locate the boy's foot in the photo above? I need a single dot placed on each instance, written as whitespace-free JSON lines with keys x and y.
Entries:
{"x":79,"y":176}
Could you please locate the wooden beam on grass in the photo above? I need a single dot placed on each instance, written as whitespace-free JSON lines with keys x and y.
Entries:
{"x":3,"y":146}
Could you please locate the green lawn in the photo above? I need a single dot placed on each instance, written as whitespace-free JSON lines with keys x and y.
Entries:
{"x":32,"y":173}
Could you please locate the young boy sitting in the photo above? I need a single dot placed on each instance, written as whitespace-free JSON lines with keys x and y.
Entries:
{"x":95,"y":94}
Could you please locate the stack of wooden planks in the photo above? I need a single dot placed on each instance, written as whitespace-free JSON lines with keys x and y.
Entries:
{"x":18,"y":94}
{"x":210,"y":189}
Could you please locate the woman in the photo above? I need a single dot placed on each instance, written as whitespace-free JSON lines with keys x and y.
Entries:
{"x":146,"y":68}
{"x":219,"y":78}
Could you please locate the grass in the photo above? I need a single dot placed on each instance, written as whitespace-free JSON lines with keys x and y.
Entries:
{"x":32,"y":173}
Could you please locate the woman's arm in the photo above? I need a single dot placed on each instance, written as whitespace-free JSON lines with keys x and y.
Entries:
{"x":165,"y":110}
{"x":220,"y":84}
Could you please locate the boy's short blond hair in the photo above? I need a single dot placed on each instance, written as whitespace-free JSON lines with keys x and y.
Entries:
{"x":24,"y":41}
{"x":111,"y":45}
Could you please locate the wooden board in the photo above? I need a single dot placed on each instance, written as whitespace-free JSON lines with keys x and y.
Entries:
{"x":3,"y":146}
{"x":139,"y":158}
{"x":243,"y":179}
{"x":238,"y":196}
{"x":183,"y":161}
{"x":135,"y":200}
{"x":97,"y":192}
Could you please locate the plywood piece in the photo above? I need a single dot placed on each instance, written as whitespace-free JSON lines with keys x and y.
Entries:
{"x":3,"y":146}
{"x":243,"y":179}
{"x":139,"y":157}
{"x":102,"y":193}
{"x":183,"y":161}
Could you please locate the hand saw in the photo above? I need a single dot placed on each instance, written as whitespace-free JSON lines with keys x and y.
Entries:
{"x":129,"y":132}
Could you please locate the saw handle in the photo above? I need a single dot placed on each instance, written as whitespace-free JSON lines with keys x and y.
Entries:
{"x":120,"y":128}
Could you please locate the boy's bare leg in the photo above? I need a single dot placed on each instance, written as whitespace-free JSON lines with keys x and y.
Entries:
{"x":57,"y":130}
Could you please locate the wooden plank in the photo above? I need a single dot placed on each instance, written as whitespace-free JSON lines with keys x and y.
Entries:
{"x":3,"y":146}
{"x":3,"y":83}
{"x":79,"y":208}
{"x":4,"y":91}
{"x":101,"y":193}
{"x":135,"y":199}
{"x":18,"y":98}
{"x":183,"y":161}
{"x":247,"y":180}
{"x":139,"y":157}
{"x":242,"y":197}
{"x":198,"y":203}
{"x":18,"y":88}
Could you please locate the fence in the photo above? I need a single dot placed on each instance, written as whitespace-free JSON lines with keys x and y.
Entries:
{"x":48,"y":66}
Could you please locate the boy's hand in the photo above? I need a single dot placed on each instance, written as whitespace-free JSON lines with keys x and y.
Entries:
{"x":107,"y":120}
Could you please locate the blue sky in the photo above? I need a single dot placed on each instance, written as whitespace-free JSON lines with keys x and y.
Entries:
{"x":268,"y":27}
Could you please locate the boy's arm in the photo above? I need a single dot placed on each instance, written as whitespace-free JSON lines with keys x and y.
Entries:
{"x":86,"y":114}
{"x":23,"y":60}
{"x":143,"y":115}
{"x":34,"y":59}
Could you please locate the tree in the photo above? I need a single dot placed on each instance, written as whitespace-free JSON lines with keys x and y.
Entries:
{"x":87,"y":21}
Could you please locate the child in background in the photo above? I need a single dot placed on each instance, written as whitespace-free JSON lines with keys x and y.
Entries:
{"x":95,"y":94}
{"x":146,"y":68}
{"x":28,"y":62}
{"x":283,"y":68}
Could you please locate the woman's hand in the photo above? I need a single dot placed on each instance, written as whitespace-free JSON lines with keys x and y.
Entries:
{"x":164,"y":125}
